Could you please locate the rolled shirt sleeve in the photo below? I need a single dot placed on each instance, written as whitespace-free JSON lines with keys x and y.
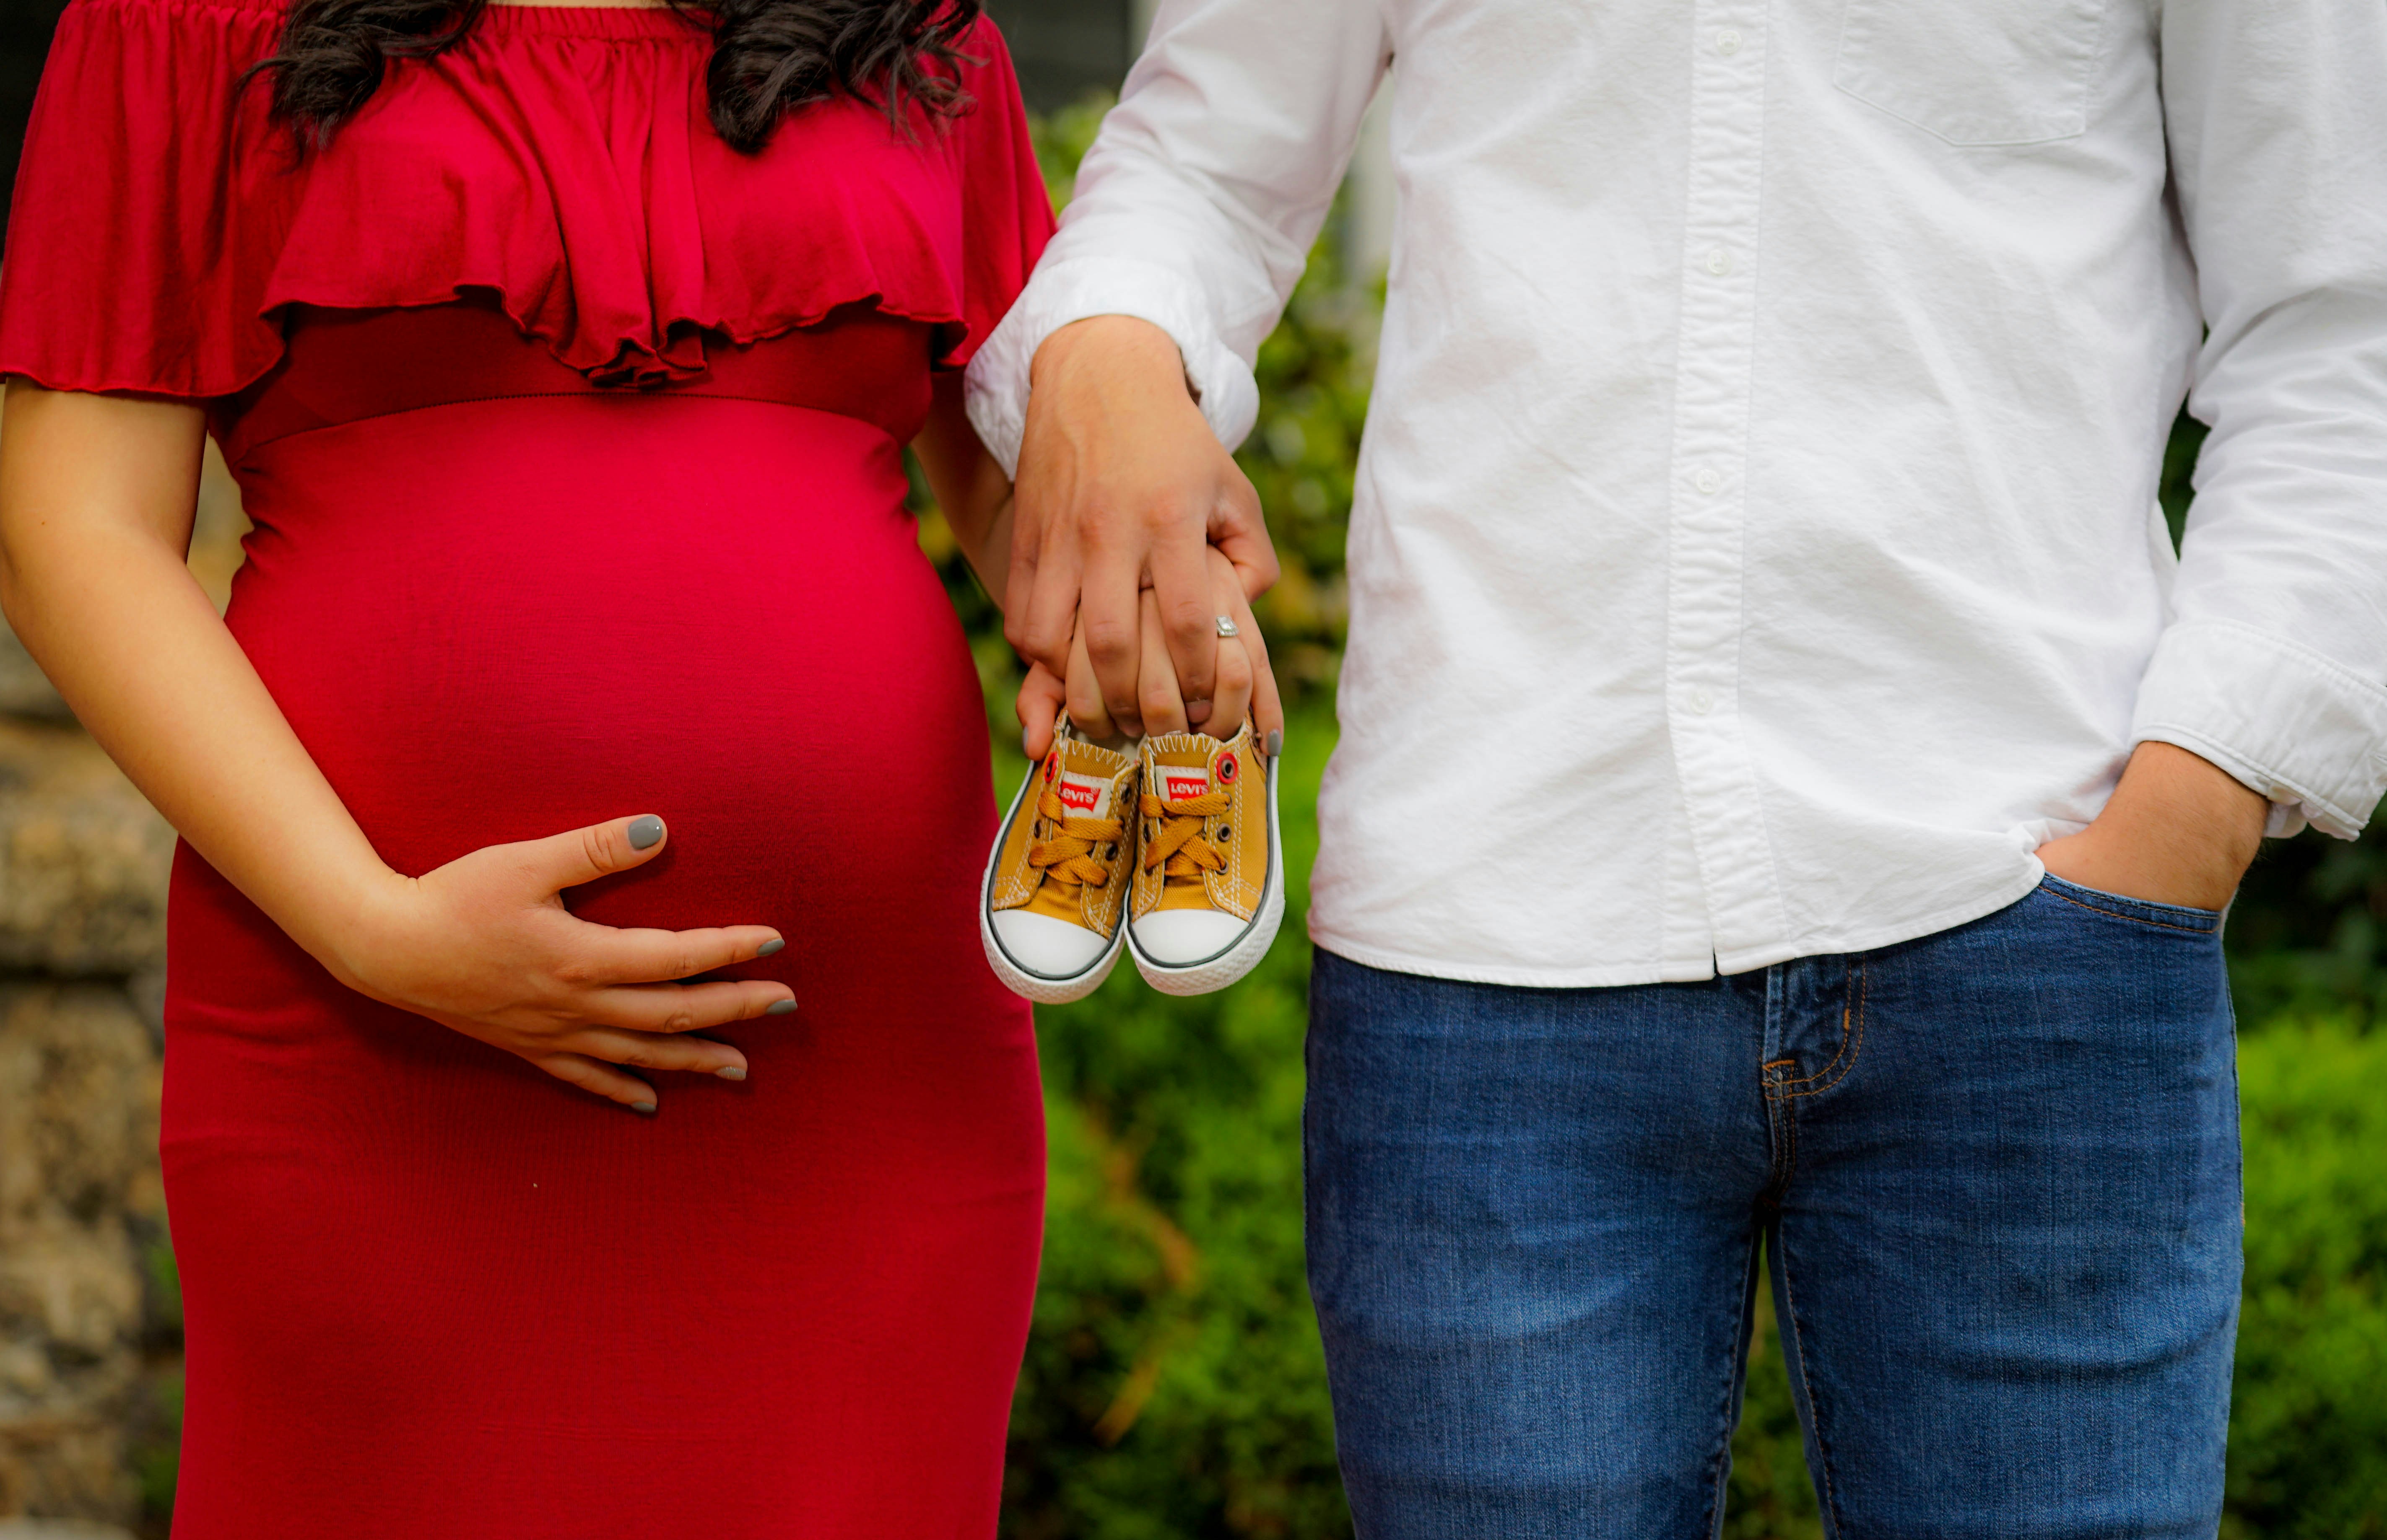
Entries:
{"x":1198,"y":205}
{"x":2274,"y":665}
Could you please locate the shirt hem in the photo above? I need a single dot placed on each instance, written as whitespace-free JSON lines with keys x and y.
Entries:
{"x":1611,"y":976}
{"x":2003,"y":896}
{"x":1679,"y":970}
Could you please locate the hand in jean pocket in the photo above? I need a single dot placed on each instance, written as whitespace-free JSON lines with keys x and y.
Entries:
{"x":2178,"y":830}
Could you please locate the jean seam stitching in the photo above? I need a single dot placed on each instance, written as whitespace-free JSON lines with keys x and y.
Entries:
{"x":1781,"y":1149}
{"x":1788,"y":1318}
{"x":1852,"y":1029}
{"x":2130,"y":919}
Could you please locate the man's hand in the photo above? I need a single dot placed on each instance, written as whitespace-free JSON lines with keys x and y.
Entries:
{"x":1123,"y":486}
{"x":2178,"y":831}
{"x":1242,"y":682}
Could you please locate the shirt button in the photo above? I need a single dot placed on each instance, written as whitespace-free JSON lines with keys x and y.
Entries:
{"x":1727,"y":41}
{"x":1701,"y":702}
{"x":1719,"y":261}
{"x":1707,"y":481}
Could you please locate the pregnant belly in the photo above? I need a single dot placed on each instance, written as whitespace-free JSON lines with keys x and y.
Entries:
{"x":497,"y":621}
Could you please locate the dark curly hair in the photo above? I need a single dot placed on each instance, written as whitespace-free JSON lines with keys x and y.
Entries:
{"x":768,"y":56}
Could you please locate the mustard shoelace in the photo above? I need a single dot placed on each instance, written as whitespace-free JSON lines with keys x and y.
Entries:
{"x":1068,"y":857}
{"x":1178,"y":849}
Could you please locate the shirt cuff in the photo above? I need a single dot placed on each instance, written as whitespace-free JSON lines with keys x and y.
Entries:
{"x":2302,"y":730}
{"x":995,"y":389}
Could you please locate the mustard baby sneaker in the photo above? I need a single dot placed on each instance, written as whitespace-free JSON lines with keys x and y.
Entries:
{"x":1056,"y":887}
{"x":1209,"y":880}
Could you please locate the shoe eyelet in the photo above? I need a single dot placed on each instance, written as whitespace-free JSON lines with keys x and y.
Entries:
{"x":1224,"y":834}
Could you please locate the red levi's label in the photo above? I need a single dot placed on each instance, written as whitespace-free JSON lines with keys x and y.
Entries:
{"x":1180,"y":784}
{"x":1084,"y":796}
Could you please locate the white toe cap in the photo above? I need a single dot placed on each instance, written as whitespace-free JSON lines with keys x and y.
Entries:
{"x":1046,"y":946}
{"x":1176,"y":938}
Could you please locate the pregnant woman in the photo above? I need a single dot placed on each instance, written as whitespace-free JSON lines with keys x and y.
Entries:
{"x":588,"y":1113}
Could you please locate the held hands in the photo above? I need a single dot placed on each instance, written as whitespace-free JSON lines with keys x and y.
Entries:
{"x":1133,"y":531}
{"x":1240,"y":682}
{"x":485,"y":946}
{"x":2178,"y":829}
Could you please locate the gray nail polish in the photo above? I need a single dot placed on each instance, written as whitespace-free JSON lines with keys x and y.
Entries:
{"x":1275,"y":742}
{"x":731,"y":1072}
{"x":767,"y":948}
{"x":645,"y":831}
{"x":779,"y":1007}
{"x":644,"y":1109}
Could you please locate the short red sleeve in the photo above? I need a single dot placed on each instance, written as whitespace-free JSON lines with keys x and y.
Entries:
{"x":137,"y":253}
{"x":1006,"y":215}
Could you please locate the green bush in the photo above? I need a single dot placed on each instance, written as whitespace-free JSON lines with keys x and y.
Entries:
{"x":2309,"y":1427}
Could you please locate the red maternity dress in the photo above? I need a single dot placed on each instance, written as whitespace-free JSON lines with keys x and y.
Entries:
{"x":571,"y":438}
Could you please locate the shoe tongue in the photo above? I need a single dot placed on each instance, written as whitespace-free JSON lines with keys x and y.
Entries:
{"x":1181,"y":764}
{"x":1085,"y":775}
{"x":1085,"y":796}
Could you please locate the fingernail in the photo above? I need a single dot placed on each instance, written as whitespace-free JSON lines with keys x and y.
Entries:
{"x":767,"y":948}
{"x":1024,"y":749}
{"x":644,"y":1109}
{"x":731,"y":1072}
{"x":644,"y":832}
{"x":779,"y":1007}
{"x":1275,"y":742}
{"x":1197,"y":711}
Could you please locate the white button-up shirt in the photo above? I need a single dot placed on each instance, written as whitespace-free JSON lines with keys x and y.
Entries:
{"x":1756,"y":551}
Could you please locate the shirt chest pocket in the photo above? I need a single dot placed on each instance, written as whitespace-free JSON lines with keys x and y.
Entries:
{"x":1976,"y":71}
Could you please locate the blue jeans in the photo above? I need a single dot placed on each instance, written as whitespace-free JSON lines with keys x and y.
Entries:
{"x":1995,"y":1174}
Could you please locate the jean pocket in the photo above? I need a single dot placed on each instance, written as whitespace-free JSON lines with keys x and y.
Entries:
{"x":1976,"y":71}
{"x":2165,"y":917}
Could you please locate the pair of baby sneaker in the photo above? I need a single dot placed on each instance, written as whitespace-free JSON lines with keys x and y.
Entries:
{"x":1169,"y":850}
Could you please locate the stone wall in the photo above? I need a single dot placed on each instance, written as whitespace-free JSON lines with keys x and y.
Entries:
{"x":90,"y":1317}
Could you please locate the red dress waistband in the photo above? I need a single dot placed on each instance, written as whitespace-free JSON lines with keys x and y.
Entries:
{"x":344,"y":366}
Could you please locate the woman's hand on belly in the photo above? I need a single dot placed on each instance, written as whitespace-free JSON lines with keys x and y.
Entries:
{"x":96,"y":500}
{"x":485,"y":946}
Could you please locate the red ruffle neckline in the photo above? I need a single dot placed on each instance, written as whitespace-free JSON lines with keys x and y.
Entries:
{"x":560,"y":161}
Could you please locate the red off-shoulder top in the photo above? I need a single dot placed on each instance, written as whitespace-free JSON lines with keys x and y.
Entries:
{"x":164,"y":222}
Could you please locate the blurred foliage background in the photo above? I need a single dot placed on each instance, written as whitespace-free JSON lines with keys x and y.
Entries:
{"x":1174,"y":1386}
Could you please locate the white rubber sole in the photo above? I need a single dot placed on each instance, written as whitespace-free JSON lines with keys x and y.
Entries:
{"x":1218,"y":971}
{"x":1044,"y":988}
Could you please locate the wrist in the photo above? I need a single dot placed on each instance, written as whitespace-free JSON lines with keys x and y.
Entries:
{"x":2197,"y":804}
{"x":1120,"y":347}
{"x":356,"y":927}
{"x":991,"y":560}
